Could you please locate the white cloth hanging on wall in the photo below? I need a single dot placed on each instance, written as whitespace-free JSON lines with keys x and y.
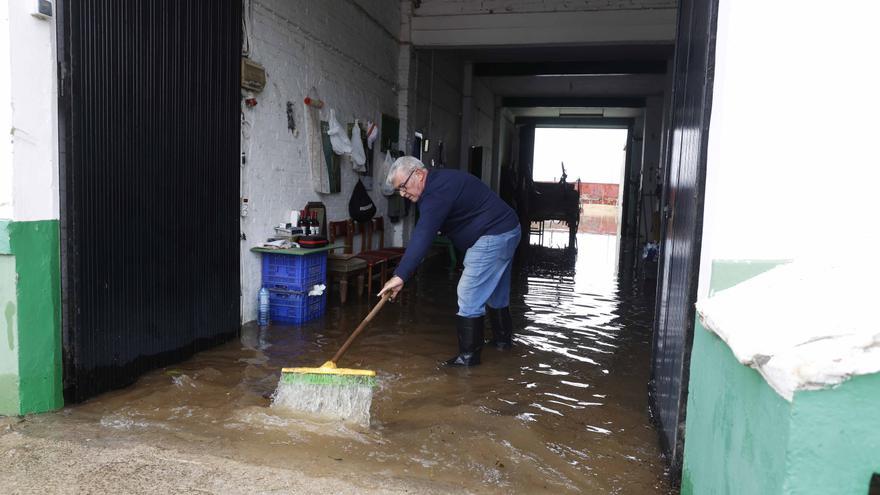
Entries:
{"x":372,"y":133}
{"x":358,"y":155}
{"x":338,"y":138}
{"x":315,"y":151}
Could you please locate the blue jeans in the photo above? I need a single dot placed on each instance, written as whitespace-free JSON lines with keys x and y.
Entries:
{"x":486,"y":276}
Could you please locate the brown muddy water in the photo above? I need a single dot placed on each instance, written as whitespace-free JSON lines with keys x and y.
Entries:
{"x":565,"y":411}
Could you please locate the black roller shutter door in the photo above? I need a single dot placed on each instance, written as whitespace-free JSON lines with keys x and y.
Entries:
{"x":149,"y":143}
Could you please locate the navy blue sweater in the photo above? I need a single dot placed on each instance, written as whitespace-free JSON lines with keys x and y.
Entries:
{"x":460,"y":206}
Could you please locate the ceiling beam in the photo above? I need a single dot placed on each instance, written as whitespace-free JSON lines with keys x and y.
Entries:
{"x":545,"y":28}
{"x":573,"y":102}
{"x":609,"y":67}
{"x":567,"y":122}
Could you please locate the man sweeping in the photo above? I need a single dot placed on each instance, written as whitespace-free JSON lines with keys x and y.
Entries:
{"x":478,"y":222}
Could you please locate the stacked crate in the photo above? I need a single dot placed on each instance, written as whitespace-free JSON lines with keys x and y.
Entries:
{"x":289,"y":279}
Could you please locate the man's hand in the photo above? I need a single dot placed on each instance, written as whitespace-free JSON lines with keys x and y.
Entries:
{"x":395,"y":284}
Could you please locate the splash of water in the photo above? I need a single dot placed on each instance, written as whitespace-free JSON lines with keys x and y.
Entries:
{"x":348,"y":403}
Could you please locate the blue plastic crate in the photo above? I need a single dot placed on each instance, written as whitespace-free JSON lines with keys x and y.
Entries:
{"x":294,"y":273}
{"x":295,"y":307}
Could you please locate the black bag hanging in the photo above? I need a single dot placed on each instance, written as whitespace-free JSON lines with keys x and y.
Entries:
{"x":361,"y":207}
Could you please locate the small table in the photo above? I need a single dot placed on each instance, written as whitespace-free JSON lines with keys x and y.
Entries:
{"x":294,"y":251}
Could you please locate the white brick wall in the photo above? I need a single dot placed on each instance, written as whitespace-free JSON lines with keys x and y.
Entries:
{"x":346,"y":50}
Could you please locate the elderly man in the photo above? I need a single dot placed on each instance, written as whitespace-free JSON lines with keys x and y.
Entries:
{"x":477,"y":221}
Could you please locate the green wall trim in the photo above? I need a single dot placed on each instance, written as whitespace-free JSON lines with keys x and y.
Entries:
{"x":4,"y":237}
{"x":727,"y":273}
{"x":737,"y":426}
{"x":835,"y":442}
{"x":9,"y":397}
{"x":36,"y":247}
{"x":742,"y":437}
{"x":9,"y":403}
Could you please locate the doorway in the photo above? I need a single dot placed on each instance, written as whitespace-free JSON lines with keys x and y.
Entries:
{"x":594,"y":160}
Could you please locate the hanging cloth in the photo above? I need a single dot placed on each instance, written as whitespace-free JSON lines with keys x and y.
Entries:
{"x":358,"y":156}
{"x":315,"y":150}
{"x":372,"y":134}
{"x":341,"y":143}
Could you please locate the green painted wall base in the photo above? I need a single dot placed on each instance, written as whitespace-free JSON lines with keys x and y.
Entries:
{"x":30,"y":326}
{"x":10,"y":405}
{"x":742,"y":437}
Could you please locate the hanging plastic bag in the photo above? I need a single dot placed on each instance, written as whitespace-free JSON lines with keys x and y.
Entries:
{"x":338,"y":139}
{"x":386,"y":187}
{"x":358,"y":156}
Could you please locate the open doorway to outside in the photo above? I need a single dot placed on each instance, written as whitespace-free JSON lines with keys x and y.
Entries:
{"x":592,"y":162}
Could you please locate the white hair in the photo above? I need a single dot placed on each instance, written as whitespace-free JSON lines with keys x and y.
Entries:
{"x":403,"y":165}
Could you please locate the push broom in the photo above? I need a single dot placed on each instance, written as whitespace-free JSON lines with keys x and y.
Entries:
{"x":329,"y":391}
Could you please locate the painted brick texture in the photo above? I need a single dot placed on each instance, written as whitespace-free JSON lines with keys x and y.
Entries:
{"x":343,"y":52}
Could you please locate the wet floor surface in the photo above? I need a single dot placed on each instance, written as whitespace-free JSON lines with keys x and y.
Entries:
{"x":564,"y":411}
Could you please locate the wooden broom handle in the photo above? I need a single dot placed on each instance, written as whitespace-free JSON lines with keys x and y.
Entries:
{"x":385,"y":296}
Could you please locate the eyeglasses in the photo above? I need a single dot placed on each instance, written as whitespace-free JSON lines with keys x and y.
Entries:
{"x":402,"y":186}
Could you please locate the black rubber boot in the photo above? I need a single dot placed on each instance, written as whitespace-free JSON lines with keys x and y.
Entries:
{"x":502,"y":327}
{"x":470,"y":341}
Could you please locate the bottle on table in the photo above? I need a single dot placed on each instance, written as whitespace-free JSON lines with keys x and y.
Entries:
{"x":302,"y":222}
{"x":316,"y":226}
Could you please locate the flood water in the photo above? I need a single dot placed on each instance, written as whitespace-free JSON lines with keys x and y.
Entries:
{"x":564,"y":411}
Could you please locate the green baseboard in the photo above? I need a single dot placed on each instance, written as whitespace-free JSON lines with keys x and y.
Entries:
{"x":33,"y":317}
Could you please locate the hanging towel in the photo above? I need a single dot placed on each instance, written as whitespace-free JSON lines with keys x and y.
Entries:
{"x":358,"y":156}
{"x":315,"y":151}
{"x":341,"y":143}
{"x":372,"y":133}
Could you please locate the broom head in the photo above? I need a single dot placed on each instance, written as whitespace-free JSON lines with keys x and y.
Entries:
{"x":328,"y":374}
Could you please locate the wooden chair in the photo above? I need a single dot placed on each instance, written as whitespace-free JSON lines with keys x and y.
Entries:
{"x":342,"y":267}
{"x":394,"y":254}
{"x":377,"y":262}
{"x":379,"y":227}
{"x":390,"y":256}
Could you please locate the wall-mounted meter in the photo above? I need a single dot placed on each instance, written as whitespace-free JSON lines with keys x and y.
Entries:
{"x":253,"y":75}
{"x":42,"y":9}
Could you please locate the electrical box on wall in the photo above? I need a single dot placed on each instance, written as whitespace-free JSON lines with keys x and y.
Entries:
{"x":43,"y":10}
{"x":253,"y":75}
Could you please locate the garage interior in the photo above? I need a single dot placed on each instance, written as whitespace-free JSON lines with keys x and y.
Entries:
{"x":160,"y":149}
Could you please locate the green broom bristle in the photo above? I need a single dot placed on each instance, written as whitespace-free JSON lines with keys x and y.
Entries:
{"x":328,"y":379}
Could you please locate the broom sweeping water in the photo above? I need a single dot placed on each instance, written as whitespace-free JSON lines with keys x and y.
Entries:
{"x":329,"y":391}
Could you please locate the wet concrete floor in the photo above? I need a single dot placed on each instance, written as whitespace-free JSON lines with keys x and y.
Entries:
{"x":565,"y":411}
